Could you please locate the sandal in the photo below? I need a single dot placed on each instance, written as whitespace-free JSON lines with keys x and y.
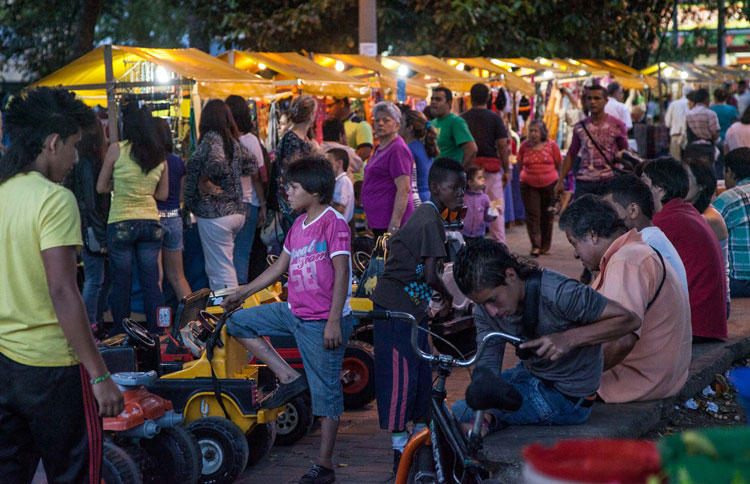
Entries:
{"x":535,"y":252}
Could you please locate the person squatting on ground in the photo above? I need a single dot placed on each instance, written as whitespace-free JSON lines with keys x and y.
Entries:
{"x":652,"y":361}
{"x":135,"y":170}
{"x":412,"y":271}
{"x":51,"y":373}
{"x":565,"y":320}
{"x":316,"y":255}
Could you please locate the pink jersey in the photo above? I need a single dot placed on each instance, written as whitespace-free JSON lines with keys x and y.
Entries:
{"x":311,"y":247}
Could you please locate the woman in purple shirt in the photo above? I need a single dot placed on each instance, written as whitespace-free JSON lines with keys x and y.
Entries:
{"x":386,"y":187}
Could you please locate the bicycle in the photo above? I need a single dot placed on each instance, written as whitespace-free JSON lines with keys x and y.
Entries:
{"x":441,"y":453}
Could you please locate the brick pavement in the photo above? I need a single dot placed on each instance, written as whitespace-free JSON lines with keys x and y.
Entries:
{"x":363,"y":451}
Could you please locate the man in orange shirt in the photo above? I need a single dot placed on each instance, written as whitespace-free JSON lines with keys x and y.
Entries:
{"x":651,"y":362}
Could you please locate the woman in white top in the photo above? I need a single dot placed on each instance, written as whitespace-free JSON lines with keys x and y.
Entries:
{"x":738,"y":134}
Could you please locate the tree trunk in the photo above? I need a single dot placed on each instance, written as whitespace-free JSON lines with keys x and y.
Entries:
{"x":197,"y":34}
{"x":84,"y":31}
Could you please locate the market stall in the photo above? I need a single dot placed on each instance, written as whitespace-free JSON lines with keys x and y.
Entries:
{"x":493,"y":73}
{"x":434,"y":71}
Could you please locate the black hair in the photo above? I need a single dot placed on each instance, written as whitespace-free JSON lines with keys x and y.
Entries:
{"x":482,"y":263}
{"x":216,"y":116}
{"x":720,"y":95}
{"x":612,"y":88}
{"x":591,"y":214}
{"x":315,"y":174}
{"x":344,"y":100}
{"x":479,"y":94}
{"x":341,"y":155}
{"x":241,"y":114}
{"x":32,"y":116}
{"x":165,"y":134}
{"x":472,"y":172}
{"x":669,"y":174}
{"x":700,"y":96}
{"x":627,"y":189}
{"x":442,"y":168}
{"x":746,"y":116}
{"x":705,"y":178}
{"x":139,"y":128}
{"x":333,"y":129}
{"x":738,"y":160}
{"x":598,"y":87}
{"x":448,"y":93}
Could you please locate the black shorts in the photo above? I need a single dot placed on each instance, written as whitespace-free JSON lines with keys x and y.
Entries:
{"x":48,"y":413}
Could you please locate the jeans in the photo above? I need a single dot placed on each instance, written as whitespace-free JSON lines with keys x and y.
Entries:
{"x":322,"y":366}
{"x":541,"y":404}
{"x":126,"y":240}
{"x":243,"y":243}
{"x":217,"y":239}
{"x":739,"y":288}
{"x":95,"y":286}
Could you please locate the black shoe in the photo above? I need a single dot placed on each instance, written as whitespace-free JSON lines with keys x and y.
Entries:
{"x":285,"y":393}
{"x":318,"y":475}
{"x":396,"y":460}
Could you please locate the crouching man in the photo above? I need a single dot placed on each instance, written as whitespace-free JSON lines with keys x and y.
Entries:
{"x":652,"y":361}
{"x":564,"y":322}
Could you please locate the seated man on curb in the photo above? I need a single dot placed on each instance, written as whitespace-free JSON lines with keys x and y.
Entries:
{"x":633,"y":202}
{"x":733,"y":205}
{"x":695,"y":242}
{"x":652,"y":361}
{"x":565,"y":321}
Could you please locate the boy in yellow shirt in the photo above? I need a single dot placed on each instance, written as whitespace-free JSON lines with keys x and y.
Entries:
{"x":51,"y":374}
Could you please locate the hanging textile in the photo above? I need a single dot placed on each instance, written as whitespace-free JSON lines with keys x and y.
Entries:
{"x":272,"y":138}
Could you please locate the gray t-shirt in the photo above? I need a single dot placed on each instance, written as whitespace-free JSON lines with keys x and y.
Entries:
{"x":564,"y":303}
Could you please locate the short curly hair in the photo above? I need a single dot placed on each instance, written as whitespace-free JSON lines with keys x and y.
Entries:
{"x":482,"y":265}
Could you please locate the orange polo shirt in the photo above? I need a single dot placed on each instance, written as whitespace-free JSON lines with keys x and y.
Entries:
{"x":657,"y":366}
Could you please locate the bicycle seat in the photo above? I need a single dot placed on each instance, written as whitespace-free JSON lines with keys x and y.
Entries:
{"x":488,"y":390}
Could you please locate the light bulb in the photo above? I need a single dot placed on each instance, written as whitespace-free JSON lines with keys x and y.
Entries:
{"x":460,"y":66}
{"x":261,"y":66}
{"x":162,"y":75}
{"x":668,"y":72}
{"x":339,"y":66}
{"x":683,"y":75}
{"x":403,"y":71}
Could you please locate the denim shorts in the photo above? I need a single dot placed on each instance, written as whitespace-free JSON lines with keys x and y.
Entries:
{"x":172,"y":233}
{"x":322,"y":366}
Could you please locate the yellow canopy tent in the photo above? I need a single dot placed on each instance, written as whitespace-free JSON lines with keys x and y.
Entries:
{"x":438,"y":70}
{"x":362,"y":65}
{"x":296,"y":70}
{"x":683,"y":72}
{"x":213,"y":78}
{"x":497,"y":74}
{"x":628,"y":77}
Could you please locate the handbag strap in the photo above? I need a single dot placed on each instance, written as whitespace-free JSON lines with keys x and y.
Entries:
{"x":530,"y":317}
{"x":663,"y":278}
{"x":601,"y":152}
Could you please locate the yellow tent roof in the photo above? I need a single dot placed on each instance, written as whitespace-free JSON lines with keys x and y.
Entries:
{"x":447,"y":76}
{"x":213,"y":77}
{"x":386,"y":77}
{"x":511,"y":81}
{"x":628,"y":77}
{"x":682,"y":71}
{"x":312,"y":78}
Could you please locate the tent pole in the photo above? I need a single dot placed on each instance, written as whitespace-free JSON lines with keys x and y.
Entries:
{"x":114,"y":135}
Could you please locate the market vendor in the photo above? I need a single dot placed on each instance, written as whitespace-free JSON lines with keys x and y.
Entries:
{"x":565,"y":321}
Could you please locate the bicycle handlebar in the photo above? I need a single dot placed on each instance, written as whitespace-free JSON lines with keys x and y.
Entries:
{"x":385,"y":314}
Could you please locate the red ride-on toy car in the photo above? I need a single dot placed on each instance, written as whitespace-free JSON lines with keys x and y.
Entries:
{"x":147,"y":442}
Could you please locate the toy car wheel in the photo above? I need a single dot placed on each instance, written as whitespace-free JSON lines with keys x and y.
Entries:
{"x":260,"y":440}
{"x":295,"y":422}
{"x":117,"y":466}
{"x":176,"y":455}
{"x":223,"y":449}
{"x":358,"y":375}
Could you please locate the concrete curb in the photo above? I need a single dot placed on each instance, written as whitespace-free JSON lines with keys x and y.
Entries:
{"x":502,"y":451}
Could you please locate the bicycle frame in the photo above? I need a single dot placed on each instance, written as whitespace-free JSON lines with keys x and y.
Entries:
{"x":442,"y":423}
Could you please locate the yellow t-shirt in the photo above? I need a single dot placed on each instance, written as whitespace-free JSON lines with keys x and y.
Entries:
{"x":133,"y":195}
{"x":35,"y":214}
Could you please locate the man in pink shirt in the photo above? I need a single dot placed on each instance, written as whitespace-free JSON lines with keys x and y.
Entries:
{"x":651,"y":362}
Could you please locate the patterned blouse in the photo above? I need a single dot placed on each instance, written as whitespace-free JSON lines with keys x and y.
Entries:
{"x":210,"y":160}
{"x":290,"y":148}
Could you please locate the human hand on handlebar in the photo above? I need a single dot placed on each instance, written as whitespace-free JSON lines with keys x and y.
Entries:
{"x":233,"y":301}
{"x":551,"y":346}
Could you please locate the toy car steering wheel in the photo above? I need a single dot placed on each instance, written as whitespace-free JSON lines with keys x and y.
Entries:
{"x":138,"y":333}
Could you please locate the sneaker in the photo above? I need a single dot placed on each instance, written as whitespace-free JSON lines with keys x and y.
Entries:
{"x":396,"y":460}
{"x":285,"y":393}
{"x":318,"y":475}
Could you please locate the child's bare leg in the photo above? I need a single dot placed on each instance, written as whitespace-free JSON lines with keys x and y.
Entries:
{"x":328,"y":429}
{"x":263,"y":350}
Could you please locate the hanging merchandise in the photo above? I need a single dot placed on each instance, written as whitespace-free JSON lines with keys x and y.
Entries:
{"x":272,"y":138}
